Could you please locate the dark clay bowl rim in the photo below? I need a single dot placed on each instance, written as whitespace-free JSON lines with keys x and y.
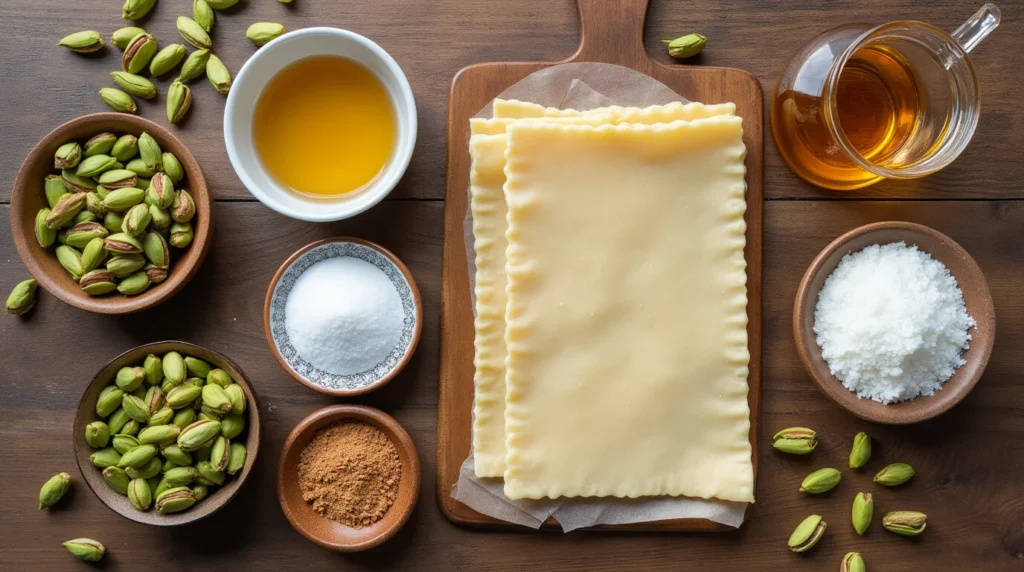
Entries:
{"x":85,"y":414}
{"x":53,"y":279}
{"x":410,"y":350}
{"x":977,"y":298}
{"x":301,"y":515}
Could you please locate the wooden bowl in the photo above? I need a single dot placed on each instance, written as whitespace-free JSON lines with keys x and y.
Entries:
{"x":977,"y":298}
{"x":322,"y":530}
{"x":117,"y":502}
{"x":27,"y":198}
{"x":304,"y":372}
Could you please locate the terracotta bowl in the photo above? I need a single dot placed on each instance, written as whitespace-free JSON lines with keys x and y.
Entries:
{"x":117,"y":502}
{"x":304,"y":372}
{"x":322,"y":530}
{"x":976,"y":296}
{"x":27,"y":198}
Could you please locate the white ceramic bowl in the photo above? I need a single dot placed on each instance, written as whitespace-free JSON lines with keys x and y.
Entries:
{"x":264,"y":65}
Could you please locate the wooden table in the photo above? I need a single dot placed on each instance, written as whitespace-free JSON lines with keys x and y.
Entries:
{"x":970,"y":461}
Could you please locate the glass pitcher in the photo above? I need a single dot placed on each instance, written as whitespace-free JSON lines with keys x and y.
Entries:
{"x":862,"y":103}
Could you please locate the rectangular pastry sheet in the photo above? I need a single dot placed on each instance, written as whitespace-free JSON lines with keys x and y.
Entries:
{"x":626,"y":313}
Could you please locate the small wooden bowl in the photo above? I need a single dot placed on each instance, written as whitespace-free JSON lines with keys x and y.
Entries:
{"x":87,"y":413}
{"x":977,"y":298}
{"x":274,"y":311}
{"x":28,"y":197}
{"x":322,"y":530}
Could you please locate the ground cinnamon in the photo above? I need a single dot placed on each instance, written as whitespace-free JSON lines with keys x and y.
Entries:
{"x":350,"y":473}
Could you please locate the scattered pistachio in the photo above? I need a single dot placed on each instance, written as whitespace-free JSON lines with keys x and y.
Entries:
{"x":820,"y":481}
{"x":686,"y":46}
{"x":221,"y":4}
{"x":863,"y":512}
{"x":123,"y":36}
{"x":860,"y":453}
{"x":193,"y":33}
{"x":118,"y":100}
{"x":894,"y":475}
{"x":137,"y":9}
{"x":194,"y":66}
{"x":53,"y":490}
{"x":853,"y":562}
{"x":82,"y":42}
{"x":134,"y":84}
{"x":167,"y":59}
{"x":202,"y":13}
{"x":795,"y":440}
{"x":179,"y":101}
{"x":139,"y":52}
{"x":905,"y":522}
{"x":807,"y":534}
{"x":218,"y":74}
{"x":85,"y":549}
{"x":262,"y":32}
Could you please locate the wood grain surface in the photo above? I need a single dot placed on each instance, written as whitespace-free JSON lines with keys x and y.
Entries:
{"x":970,"y":461}
{"x":611,"y":32}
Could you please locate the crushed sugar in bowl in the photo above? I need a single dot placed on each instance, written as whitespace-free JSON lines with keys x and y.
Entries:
{"x":320,"y":124}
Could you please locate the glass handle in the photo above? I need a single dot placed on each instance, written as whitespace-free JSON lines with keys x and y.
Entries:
{"x":977,"y":27}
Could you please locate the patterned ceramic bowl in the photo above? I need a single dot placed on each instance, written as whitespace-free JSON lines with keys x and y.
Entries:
{"x":285,"y":352}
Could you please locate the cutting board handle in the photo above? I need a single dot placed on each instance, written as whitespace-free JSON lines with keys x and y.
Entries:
{"x":612,"y":31}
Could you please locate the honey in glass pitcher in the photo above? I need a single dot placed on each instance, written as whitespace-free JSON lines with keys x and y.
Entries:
{"x":859,"y":104}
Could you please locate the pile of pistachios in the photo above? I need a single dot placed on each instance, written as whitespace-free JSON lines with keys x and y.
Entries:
{"x":167,"y":431}
{"x":802,"y":441}
{"x":112,"y":234}
{"x":141,"y":52}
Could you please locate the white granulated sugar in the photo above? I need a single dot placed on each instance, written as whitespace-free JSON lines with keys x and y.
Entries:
{"x":343,"y":315}
{"x":891,"y":323}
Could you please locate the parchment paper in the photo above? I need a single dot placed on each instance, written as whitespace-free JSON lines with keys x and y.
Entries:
{"x":580,"y":86}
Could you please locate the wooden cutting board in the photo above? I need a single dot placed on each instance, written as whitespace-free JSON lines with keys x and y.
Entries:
{"x":611,"y":32}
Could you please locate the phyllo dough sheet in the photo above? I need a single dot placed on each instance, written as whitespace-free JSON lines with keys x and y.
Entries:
{"x":626,"y":314}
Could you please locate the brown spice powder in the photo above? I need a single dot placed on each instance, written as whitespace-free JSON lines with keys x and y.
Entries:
{"x":350,"y":473}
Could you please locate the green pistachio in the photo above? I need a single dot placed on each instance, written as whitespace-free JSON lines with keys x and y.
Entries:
{"x":221,"y":4}
{"x":193,"y":33}
{"x":903,"y":522}
{"x":182,"y":419}
{"x":106,"y":457}
{"x":135,"y":407}
{"x":820,"y":481}
{"x":125,"y":265}
{"x":179,"y":101}
{"x":232,"y":426}
{"x":181,"y":476}
{"x":129,"y":379}
{"x":137,"y":9}
{"x":202,"y":13}
{"x":894,"y":475}
{"x":686,"y":46}
{"x":80,"y":235}
{"x":94,"y":254}
{"x":197,"y":367}
{"x":97,"y":434}
{"x":139,"y":494}
{"x":863,"y":512}
{"x":153,"y":370}
{"x":94,"y":165}
{"x":130,"y":428}
{"x":122,"y":36}
{"x":22,"y":297}
{"x":136,"y":220}
{"x":53,"y":490}
{"x":172,"y":167}
{"x":108,"y":401}
{"x":795,"y":440}
{"x":94,"y":204}
{"x":98,"y":282}
{"x":198,"y":435}
{"x":262,"y":32}
{"x":155,"y":397}
{"x":85,"y":42}
{"x":174,"y":368}
{"x":175,"y":454}
{"x":159,"y":435}
{"x":853,"y":562}
{"x":203,"y":454}
{"x":207,"y":412}
{"x":138,"y":456}
{"x":151,"y":154}
{"x":860,"y":453}
{"x":71,"y":260}
{"x":220,"y":453}
{"x":138,"y":54}
{"x":159,"y":219}
{"x":161,"y":487}
{"x":112,"y":221}
{"x":237,"y":396}
{"x":120,"y":200}
{"x":119,"y":418}
{"x":134,"y":84}
{"x":67,"y":156}
{"x":807,"y":534}
{"x":219,"y":377}
{"x":182,"y":396}
{"x":139,"y":167}
{"x":163,"y":416}
{"x":121,"y":243}
{"x":216,"y":398}
{"x":210,"y":473}
{"x":99,"y":144}
{"x":135,"y":284}
{"x":45,"y":235}
{"x":200,"y":492}
{"x":125,"y":148}
{"x":67,"y":207}
{"x":85,"y":549}
{"x":161,"y":191}
{"x":75,"y":184}
{"x":183,"y":207}
{"x":54,"y":189}
{"x":175,"y":500}
{"x":194,"y":66}
{"x":116,"y":478}
{"x":181,"y":235}
{"x":218,"y":74}
{"x":118,"y":100}
{"x":237,"y":458}
{"x":149,"y":470}
{"x":82,"y":216}
{"x":166,"y":59}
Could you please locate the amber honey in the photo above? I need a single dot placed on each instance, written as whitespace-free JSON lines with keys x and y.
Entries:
{"x":881,"y":112}
{"x":324,"y":127}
